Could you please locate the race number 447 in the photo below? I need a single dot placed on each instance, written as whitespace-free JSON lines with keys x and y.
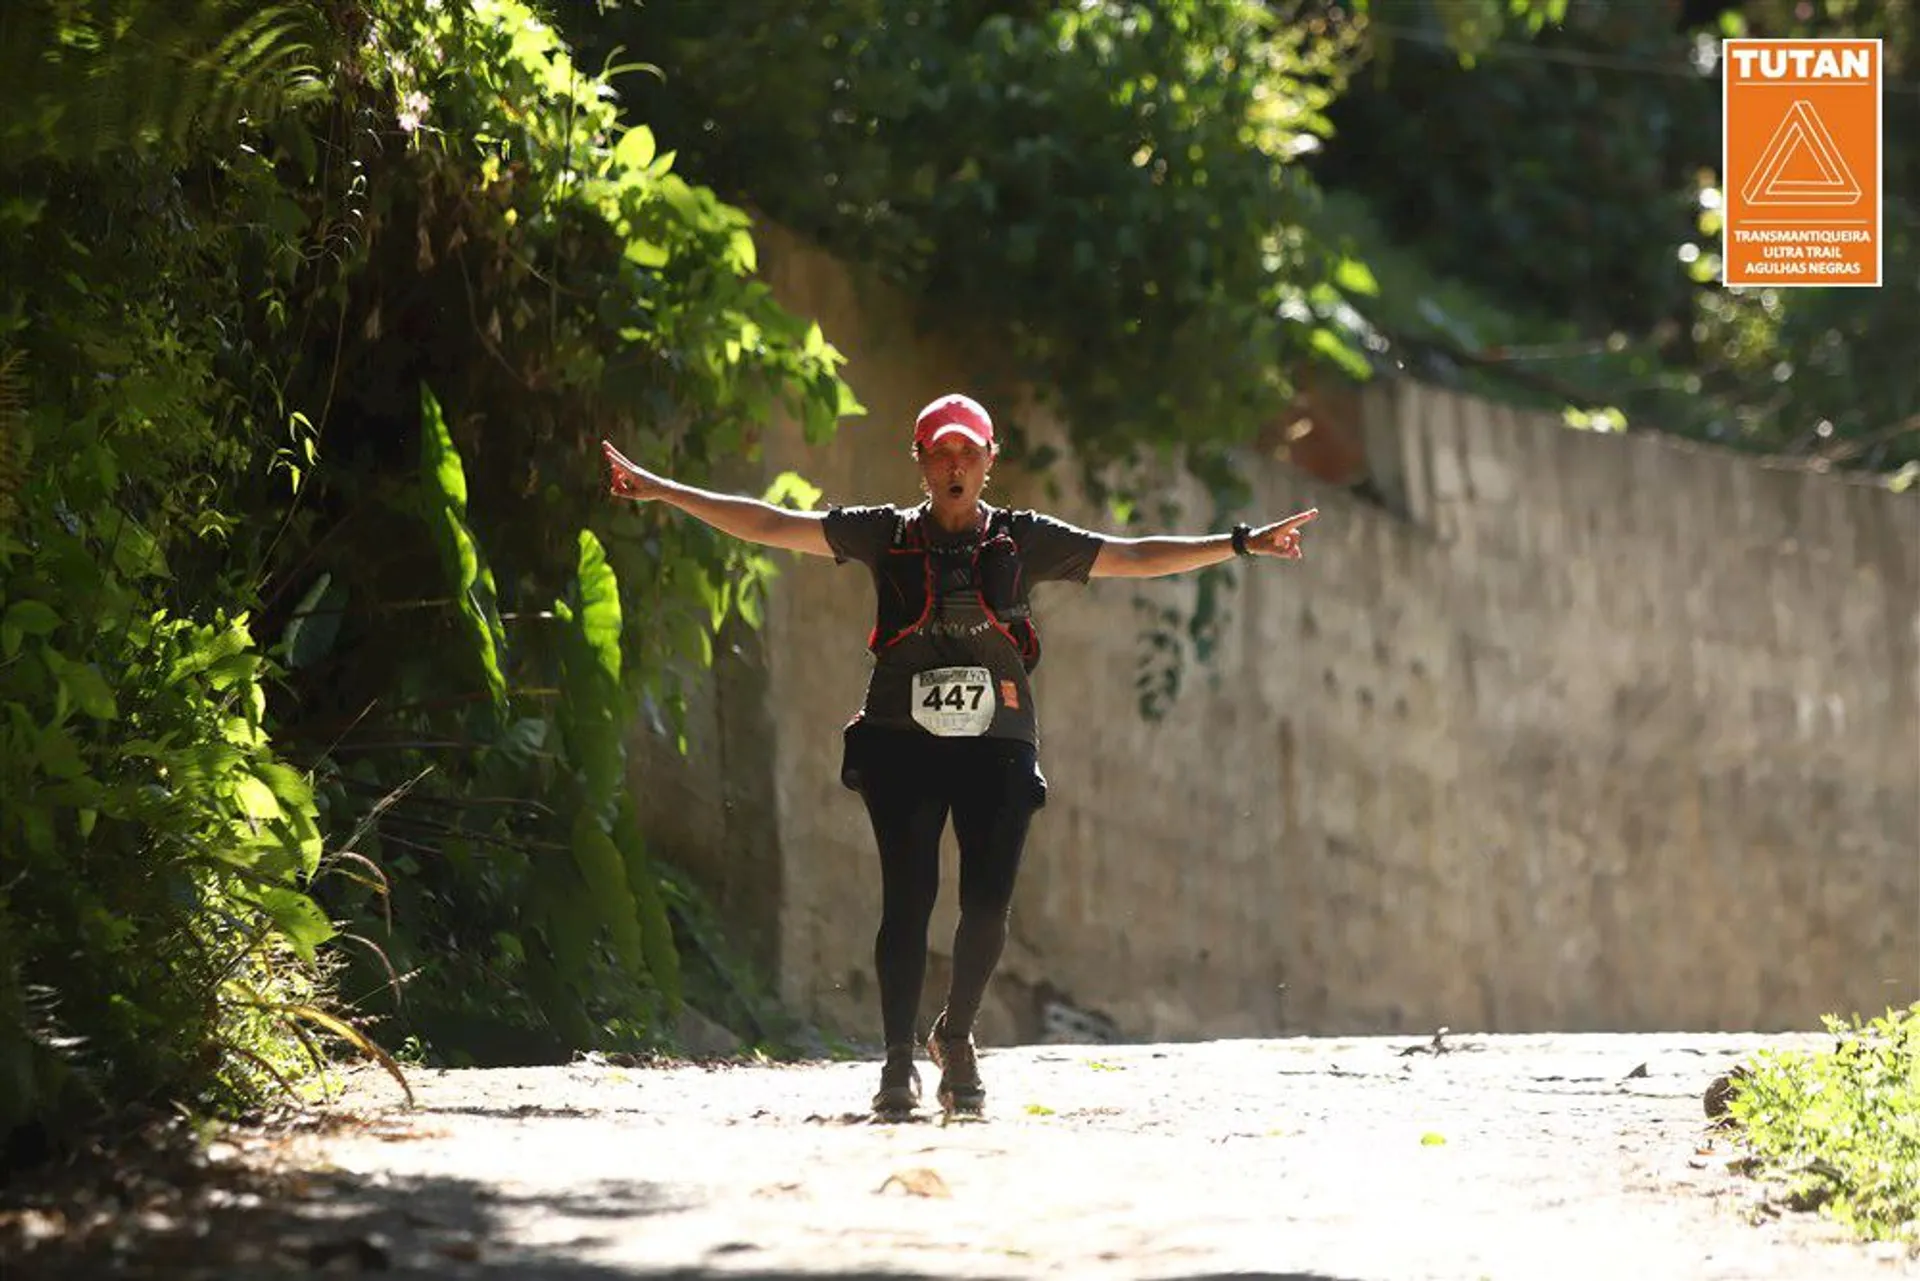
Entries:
{"x":954,"y":702}
{"x":1801,"y":123}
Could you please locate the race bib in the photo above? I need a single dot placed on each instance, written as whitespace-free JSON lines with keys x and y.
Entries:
{"x":954,"y":702}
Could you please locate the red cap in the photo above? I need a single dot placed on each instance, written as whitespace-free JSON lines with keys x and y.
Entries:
{"x":953,"y":413}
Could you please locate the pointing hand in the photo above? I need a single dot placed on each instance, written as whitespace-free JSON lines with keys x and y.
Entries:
{"x":627,"y":479}
{"x":1282,"y":538}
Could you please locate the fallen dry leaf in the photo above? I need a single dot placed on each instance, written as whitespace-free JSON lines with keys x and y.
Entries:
{"x":781,"y":1189}
{"x":917,"y":1182}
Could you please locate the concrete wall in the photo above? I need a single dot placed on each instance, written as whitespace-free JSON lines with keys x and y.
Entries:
{"x":1572,"y":732}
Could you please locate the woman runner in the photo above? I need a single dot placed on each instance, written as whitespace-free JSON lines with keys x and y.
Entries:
{"x":948,"y":726}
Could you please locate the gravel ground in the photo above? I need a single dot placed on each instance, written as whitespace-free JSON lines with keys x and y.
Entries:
{"x":1526,"y":1157}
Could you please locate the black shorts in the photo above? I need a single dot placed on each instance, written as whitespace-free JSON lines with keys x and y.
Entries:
{"x":876,"y":757}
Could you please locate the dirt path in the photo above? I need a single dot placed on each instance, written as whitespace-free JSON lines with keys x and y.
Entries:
{"x":1336,"y":1160}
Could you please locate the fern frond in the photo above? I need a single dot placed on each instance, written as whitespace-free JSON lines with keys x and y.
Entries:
{"x":84,"y":78}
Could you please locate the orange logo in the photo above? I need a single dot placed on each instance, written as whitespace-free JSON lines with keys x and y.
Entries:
{"x":1800,"y":121}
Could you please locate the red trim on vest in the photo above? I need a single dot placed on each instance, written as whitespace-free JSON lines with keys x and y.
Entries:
{"x":980,"y":595}
{"x":926,"y":610}
{"x":914,"y":544}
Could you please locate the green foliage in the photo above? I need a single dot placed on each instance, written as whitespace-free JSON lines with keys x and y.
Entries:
{"x":156,"y":932}
{"x":1470,"y":27}
{"x":1104,"y":197}
{"x":467,"y":703}
{"x":158,"y":848}
{"x":282,"y":667}
{"x":1581,"y":200}
{"x":615,"y":881}
{"x":1842,"y":1127}
{"x":1455,"y":331}
{"x":92,"y":78}
{"x":13,"y":442}
{"x":1824,"y":374}
{"x":1103,"y":201}
{"x":1565,"y":186}
{"x":445,"y":502}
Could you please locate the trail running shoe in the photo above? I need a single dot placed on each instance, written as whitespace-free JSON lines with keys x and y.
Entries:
{"x":960,"y":1088}
{"x":899,"y":1083}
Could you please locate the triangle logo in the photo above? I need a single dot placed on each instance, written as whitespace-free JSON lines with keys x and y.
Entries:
{"x":1802,"y":137}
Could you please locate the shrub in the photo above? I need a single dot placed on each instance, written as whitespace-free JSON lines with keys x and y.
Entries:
{"x":1842,"y":1126}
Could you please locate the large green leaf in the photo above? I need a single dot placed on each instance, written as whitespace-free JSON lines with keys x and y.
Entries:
{"x":25,"y":618}
{"x":605,"y":874}
{"x":569,"y":921}
{"x":636,"y":149}
{"x":84,"y":685}
{"x":298,"y":917}
{"x":315,"y":624}
{"x":296,"y":825}
{"x":446,"y":488}
{"x":592,"y":716}
{"x":656,"y":930}
{"x":255,"y":798}
{"x":557,"y":994}
{"x":588,"y":717}
{"x":599,"y":605}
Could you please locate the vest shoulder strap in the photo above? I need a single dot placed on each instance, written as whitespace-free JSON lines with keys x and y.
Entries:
{"x":906,"y":529}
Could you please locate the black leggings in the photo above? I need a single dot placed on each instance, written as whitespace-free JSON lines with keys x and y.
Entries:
{"x":911,"y":781}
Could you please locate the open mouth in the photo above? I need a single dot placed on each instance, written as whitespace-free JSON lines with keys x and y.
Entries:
{"x":955,"y":490}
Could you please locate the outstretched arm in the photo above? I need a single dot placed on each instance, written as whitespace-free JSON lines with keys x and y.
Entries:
{"x":1154,"y":557}
{"x":744,"y":518}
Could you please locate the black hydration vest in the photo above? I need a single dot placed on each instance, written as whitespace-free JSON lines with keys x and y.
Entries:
{"x":913,"y":574}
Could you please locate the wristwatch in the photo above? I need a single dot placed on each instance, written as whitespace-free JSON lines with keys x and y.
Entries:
{"x":1240,"y":533}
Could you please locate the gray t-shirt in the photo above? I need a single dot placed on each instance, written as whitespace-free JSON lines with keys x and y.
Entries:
{"x":942,"y":660}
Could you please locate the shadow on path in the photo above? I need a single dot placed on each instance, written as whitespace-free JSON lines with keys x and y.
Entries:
{"x":171,"y":1214}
